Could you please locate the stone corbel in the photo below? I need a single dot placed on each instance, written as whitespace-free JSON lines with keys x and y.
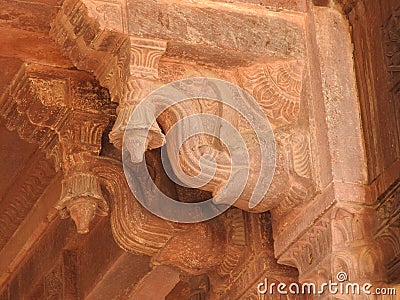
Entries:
{"x":82,"y":197}
{"x":64,"y":113}
{"x":126,"y":65}
{"x":277,"y":88}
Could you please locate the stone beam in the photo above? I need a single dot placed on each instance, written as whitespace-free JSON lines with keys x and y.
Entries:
{"x":121,"y":277}
{"x":29,"y":231}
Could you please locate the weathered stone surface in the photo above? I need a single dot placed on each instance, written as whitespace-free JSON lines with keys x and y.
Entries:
{"x":300,"y":5}
{"x":28,"y":16}
{"x":210,"y":24}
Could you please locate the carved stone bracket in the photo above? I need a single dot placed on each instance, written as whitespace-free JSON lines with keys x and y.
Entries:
{"x":126,"y":65}
{"x":65,"y":113}
{"x":97,"y":37}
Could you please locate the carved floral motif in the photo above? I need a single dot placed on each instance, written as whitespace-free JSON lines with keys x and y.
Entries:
{"x":277,"y":88}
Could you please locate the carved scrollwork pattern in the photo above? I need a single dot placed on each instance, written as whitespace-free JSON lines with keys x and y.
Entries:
{"x":134,"y":228}
{"x":295,"y":146}
{"x":277,"y":88}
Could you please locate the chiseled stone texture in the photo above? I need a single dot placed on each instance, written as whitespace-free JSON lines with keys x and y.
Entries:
{"x":194,"y":23}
